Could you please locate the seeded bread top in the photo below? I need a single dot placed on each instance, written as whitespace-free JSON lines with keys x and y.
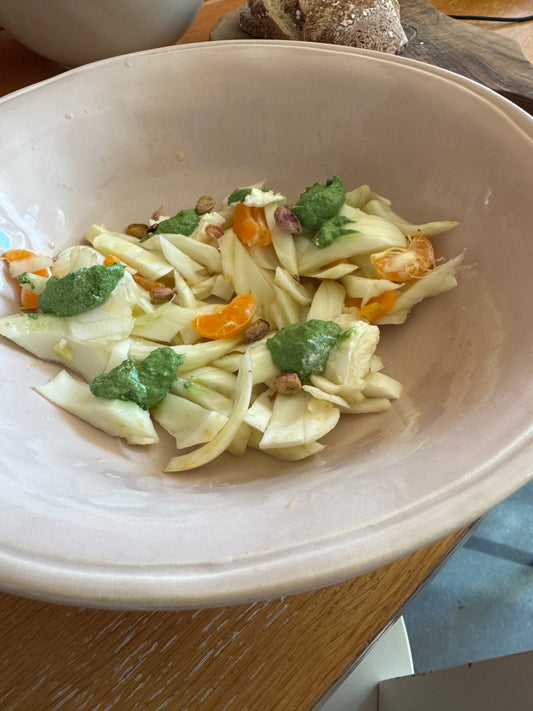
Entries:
{"x":368,"y":24}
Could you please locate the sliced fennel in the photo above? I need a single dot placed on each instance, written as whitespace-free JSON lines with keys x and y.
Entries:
{"x":240,"y":441}
{"x":283,"y":243}
{"x":206,"y":255}
{"x":163,"y":322}
{"x":190,"y":270}
{"x":149,"y":264}
{"x":372,"y":234}
{"x":220,"y":442}
{"x":128,"y":291}
{"x":359,"y":287}
{"x":202,"y":395}
{"x":298,"y":420}
{"x":112,"y":321}
{"x":328,"y":301}
{"x":76,"y":257}
{"x":115,"y":417}
{"x":435,"y":282}
{"x":367,"y":405}
{"x":381,"y":385}
{"x":297,"y":291}
{"x":288,"y":454}
{"x":189,"y":423}
{"x":262,"y":364}
{"x":260,"y":412}
{"x":194,"y":356}
{"x":325,"y":395}
{"x":381,"y":207}
{"x":215,"y":378}
{"x":349,"y":359}
{"x":50,"y":338}
{"x":227,"y":395}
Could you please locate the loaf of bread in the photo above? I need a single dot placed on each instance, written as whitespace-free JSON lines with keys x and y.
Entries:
{"x":271,"y":19}
{"x":368,"y":24}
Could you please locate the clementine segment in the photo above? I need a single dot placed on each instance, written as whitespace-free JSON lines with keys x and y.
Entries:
{"x":15,"y":255}
{"x":401,"y":264}
{"x":228,"y":321}
{"x":250,"y":225}
{"x":376,"y":307}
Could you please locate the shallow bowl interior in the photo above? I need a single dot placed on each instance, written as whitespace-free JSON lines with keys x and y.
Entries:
{"x":85,"y":519}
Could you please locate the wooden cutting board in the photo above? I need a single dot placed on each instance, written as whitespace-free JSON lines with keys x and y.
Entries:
{"x":435,"y":38}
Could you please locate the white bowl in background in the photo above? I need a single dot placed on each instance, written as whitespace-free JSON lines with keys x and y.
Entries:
{"x":74,"y":32}
{"x":85,"y":519}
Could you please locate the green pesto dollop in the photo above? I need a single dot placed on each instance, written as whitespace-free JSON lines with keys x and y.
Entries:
{"x":121,"y":383}
{"x":303,"y":348}
{"x":145,"y":384}
{"x":80,"y":291}
{"x":183,"y":223}
{"x":157,"y":372}
{"x":331,"y":230}
{"x":319,"y":203}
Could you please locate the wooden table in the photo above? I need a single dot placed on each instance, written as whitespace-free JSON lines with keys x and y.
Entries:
{"x":520,"y":32}
{"x":282,"y":654}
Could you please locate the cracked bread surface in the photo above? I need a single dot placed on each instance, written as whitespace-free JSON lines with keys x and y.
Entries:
{"x":367,"y":24}
{"x":271,"y":19}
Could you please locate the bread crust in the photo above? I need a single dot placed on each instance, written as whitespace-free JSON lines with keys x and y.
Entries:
{"x":367,"y":24}
{"x":271,"y":19}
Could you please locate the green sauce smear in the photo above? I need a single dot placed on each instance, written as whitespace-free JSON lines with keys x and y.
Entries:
{"x":331,"y":230}
{"x":304,"y":348}
{"x":319,"y":203}
{"x":80,"y":291}
{"x":23,"y":279}
{"x":145,"y":384}
{"x":184,"y":223}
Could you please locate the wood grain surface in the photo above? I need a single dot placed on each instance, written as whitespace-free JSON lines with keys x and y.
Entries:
{"x":282,"y":655}
{"x":494,"y":60}
{"x":279,"y":655}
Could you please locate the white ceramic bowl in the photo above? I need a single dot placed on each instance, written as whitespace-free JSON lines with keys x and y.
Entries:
{"x":74,"y":32}
{"x":84,"y":519}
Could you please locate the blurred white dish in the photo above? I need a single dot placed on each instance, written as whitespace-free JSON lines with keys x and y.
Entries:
{"x":74,"y":32}
{"x":85,"y":519}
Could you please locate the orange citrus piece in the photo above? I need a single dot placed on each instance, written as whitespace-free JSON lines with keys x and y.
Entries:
{"x":404,"y":263}
{"x":250,"y":226}
{"x":376,"y":307}
{"x":28,"y":298}
{"x":15,"y":255}
{"x":228,"y":321}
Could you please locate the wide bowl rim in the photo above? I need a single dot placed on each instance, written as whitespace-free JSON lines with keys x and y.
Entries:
{"x":456,"y":78}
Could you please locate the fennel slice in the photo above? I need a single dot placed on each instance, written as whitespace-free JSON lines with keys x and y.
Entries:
{"x":221,"y":441}
{"x":114,"y":417}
